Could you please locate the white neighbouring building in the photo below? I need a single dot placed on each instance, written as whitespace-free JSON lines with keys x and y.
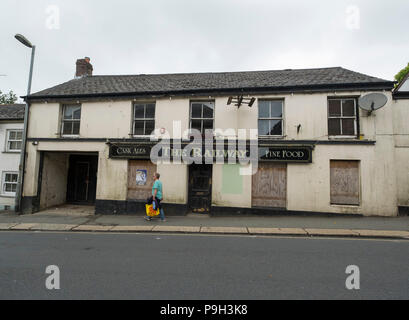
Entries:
{"x":401,"y":140}
{"x":89,"y":142}
{"x":11,"y":133}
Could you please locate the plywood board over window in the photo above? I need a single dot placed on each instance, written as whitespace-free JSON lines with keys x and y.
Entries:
{"x":344,"y":182}
{"x":269,"y":186}
{"x":140,"y":182}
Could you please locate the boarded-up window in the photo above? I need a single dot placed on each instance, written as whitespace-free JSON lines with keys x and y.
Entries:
{"x":344,"y":182}
{"x":140,"y":181}
{"x":269,"y":186}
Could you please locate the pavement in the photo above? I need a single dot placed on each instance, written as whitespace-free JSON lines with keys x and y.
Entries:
{"x":82,"y":219}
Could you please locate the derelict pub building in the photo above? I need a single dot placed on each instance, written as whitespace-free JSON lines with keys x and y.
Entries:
{"x":224,"y":143}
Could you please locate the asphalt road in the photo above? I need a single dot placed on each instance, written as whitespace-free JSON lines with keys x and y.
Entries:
{"x":159,"y":266}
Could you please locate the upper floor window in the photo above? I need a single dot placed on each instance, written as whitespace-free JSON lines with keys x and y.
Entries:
{"x":270,"y":117}
{"x":14,"y":140}
{"x":342,"y":117}
{"x":202,"y":116}
{"x":9,"y":183}
{"x":143,"y":119}
{"x":71,"y":118}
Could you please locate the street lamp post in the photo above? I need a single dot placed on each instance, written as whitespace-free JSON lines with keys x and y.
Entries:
{"x":28,"y":44}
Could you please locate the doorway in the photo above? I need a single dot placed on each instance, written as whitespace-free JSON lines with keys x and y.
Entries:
{"x":269,"y":185}
{"x":200,"y":188}
{"x":82,"y":179}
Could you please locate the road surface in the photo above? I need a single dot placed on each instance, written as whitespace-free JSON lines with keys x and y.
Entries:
{"x":159,"y":266}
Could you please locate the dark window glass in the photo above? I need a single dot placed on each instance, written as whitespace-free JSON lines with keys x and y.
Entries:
{"x":334,"y":108}
{"x":77,"y":113}
{"x":200,"y":111}
{"x":264,"y":109}
{"x":139,"y":127}
{"x":71,"y":119}
{"x":76,"y":128}
{"x":197,"y":124}
{"x":72,"y":112}
{"x":150,"y":111}
{"x":142,"y":112}
{"x":139,"y":111}
{"x":334,"y":127}
{"x":67,"y":127}
{"x":270,"y":118}
{"x":149,"y":127}
{"x":208,"y":110}
{"x":207,"y":124}
{"x":348,"y":108}
{"x":15,"y":145}
{"x":276,"y":109}
{"x":348,"y":127}
{"x":68,"y":111}
{"x":276,"y":128}
{"x":342,"y":117}
{"x":263,"y":127}
{"x":196,"y":110}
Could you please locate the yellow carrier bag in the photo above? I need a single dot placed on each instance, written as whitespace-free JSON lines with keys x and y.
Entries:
{"x":150,"y":212}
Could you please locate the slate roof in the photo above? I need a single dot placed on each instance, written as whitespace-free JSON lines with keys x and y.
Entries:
{"x":12,"y":111}
{"x":182,"y":83}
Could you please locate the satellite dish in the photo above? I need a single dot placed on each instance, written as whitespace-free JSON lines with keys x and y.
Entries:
{"x":372,"y":101}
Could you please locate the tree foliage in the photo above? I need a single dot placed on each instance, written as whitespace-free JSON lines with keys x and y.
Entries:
{"x":7,"y":98}
{"x":402,"y":74}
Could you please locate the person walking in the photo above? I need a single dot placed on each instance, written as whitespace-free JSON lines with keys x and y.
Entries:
{"x":157,"y":196}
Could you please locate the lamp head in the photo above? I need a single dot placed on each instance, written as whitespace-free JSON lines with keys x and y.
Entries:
{"x":23,"y":40}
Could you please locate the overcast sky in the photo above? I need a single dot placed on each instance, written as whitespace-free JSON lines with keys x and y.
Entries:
{"x":172,"y":36}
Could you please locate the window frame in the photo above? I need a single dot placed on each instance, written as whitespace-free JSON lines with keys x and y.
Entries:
{"x":3,"y":183}
{"x":8,"y":131}
{"x":63,"y":120}
{"x":282,"y":118}
{"x":144,"y":119}
{"x":341,"y":117}
{"x":201,"y":119}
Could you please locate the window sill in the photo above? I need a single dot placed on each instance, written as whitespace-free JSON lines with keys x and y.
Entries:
{"x":15,"y":152}
{"x":347,"y":206}
{"x":343,"y":138}
{"x":272,"y":137}
{"x":73,"y":136}
{"x":143,"y":136}
{"x":7,"y":195}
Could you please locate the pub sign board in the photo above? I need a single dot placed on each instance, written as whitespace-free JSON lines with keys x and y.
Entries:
{"x":296,"y":154}
{"x":302,"y":154}
{"x":130,"y":151}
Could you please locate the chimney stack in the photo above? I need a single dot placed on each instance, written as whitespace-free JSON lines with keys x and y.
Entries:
{"x":84,"y":67}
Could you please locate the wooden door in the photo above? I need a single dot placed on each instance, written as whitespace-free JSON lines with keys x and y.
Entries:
{"x":140,"y":181}
{"x":82,"y":179}
{"x":344,"y":180}
{"x":200,"y":188}
{"x":269,"y":185}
